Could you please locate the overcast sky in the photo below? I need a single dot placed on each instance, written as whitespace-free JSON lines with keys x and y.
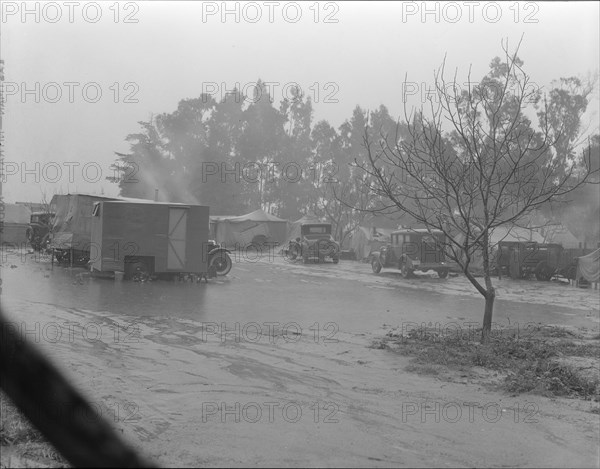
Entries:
{"x":147,"y":56}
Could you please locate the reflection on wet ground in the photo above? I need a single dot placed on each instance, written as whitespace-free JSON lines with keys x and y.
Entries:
{"x":263,"y":292}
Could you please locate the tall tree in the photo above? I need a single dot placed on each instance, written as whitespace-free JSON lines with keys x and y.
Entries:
{"x":146,"y":167}
{"x":261,"y":145}
{"x":292,"y":186}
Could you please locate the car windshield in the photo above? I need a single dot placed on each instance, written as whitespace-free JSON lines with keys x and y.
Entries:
{"x":310,"y":230}
{"x":317,"y":236}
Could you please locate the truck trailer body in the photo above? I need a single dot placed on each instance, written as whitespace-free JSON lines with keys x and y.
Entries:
{"x":154,"y":237}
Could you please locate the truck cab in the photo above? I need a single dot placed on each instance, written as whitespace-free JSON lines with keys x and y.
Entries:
{"x":38,"y":232}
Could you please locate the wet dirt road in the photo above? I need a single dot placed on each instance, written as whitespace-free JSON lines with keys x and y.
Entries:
{"x":292,"y":380}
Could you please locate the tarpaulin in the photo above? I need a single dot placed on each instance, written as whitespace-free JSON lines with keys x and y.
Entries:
{"x":73,"y":220}
{"x":588,"y":266}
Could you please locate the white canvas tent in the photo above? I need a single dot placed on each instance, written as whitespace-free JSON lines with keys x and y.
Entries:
{"x":293,"y":230}
{"x":561,"y":235}
{"x":514,"y":233}
{"x":366,"y":240}
{"x":257,"y":226}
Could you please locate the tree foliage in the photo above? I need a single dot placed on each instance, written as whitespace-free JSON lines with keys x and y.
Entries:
{"x":477,"y":158}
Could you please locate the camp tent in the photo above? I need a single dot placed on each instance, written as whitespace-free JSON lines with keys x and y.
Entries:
{"x":561,"y":235}
{"x":366,"y":240}
{"x":514,"y":233}
{"x":238,"y":232}
{"x":16,"y":220}
{"x":293,"y":230}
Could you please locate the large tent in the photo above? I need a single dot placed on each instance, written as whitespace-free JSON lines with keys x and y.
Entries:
{"x":514,"y":233}
{"x":258,"y":227}
{"x":366,"y":240}
{"x":293,"y":230}
{"x":561,"y":235}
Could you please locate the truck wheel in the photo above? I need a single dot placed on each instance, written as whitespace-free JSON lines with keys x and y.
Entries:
{"x":513,"y":271}
{"x":376,"y":265}
{"x":221,"y":263}
{"x":543,"y":271}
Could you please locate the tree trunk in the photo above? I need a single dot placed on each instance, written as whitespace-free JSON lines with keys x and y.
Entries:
{"x":487,"y":315}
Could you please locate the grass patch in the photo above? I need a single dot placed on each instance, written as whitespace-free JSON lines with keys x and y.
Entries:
{"x":21,"y":438}
{"x":545,"y":361}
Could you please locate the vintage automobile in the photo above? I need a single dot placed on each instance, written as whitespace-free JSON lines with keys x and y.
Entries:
{"x":522,"y":259}
{"x":315,"y":242}
{"x":412,"y":250}
{"x":38,"y":232}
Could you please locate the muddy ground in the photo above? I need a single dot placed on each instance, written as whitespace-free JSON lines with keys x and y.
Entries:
{"x":273,"y":365}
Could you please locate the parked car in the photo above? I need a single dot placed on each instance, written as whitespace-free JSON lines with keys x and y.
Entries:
{"x":315,"y":242}
{"x":412,"y":250}
{"x":522,"y":259}
{"x":38,"y":232}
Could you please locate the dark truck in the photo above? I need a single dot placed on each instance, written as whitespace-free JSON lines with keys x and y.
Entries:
{"x":38,"y":232}
{"x":315,"y":242}
{"x":412,"y":250}
{"x":523,"y":259}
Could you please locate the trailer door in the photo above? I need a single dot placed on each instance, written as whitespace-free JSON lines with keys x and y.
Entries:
{"x":177,"y":238}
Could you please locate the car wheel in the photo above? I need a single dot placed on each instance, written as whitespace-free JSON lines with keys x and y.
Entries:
{"x":405,"y":271}
{"x":221,"y":263}
{"x":294,"y":253}
{"x":376,"y":265}
{"x":442,"y":273}
{"x":336,"y":260}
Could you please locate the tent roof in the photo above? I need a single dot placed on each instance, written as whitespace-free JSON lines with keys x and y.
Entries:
{"x":515,"y":233}
{"x":257,"y":215}
{"x":130,"y":200}
{"x":309,"y":218}
{"x":381,"y":232}
{"x":562,"y":235}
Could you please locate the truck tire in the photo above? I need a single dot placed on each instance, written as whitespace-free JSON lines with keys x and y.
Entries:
{"x":543,"y":271}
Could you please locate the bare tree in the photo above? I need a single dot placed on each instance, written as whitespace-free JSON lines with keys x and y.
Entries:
{"x":474,"y":163}
{"x":344,"y":204}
